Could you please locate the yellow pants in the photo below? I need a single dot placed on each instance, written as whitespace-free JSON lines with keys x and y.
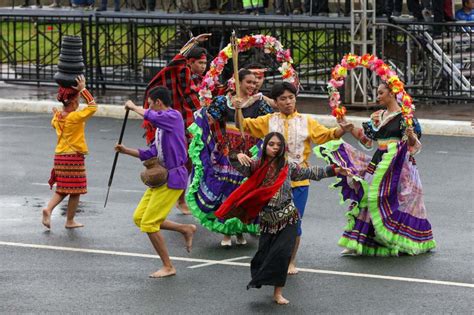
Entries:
{"x":154,"y":207}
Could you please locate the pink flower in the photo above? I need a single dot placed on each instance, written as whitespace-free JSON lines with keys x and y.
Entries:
{"x":336,"y":83}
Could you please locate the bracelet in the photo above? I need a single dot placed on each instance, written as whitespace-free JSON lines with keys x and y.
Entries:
{"x":87,"y":96}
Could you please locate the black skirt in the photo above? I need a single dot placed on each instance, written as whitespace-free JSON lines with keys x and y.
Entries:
{"x":270,"y":264}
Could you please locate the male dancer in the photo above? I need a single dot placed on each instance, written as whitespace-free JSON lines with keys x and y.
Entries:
{"x":299,"y":131}
{"x":182,"y":76}
{"x":169,"y":147}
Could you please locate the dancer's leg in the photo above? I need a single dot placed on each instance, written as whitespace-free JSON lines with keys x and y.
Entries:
{"x":300,"y":197}
{"x":278,"y":296}
{"x":71,"y":212}
{"x":181,"y":205}
{"x":187,"y":230}
{"x":53,"y":202}
{"x":292,"y":267}
{"x":159,"y":244}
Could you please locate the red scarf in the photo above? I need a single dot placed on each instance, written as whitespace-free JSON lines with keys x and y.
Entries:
{"x":249,"y":199}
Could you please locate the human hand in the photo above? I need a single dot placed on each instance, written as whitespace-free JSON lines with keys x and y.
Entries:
{"x":129,"y":105}
{"x":410,"y":133}
{"x":342,"y":171}
{"x":55,"y":110}
{"x":244,"y":159}
{"x":120,"y":148}
{"x":202,"y":37}
{"x":345,"y":125}
{"x":236,"y":102}
{"x":81,"y":83}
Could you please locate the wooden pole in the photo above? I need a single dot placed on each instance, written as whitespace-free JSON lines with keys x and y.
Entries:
{"x":116,"y":156}
{"x":235,"y":62}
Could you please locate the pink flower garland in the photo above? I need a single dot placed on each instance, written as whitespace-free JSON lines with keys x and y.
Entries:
{"x":269,"y":45}
{"x":351,"y":61}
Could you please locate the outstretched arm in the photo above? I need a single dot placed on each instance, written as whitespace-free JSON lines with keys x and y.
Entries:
{"x":128,"y":151}
{"x":299,"y":173}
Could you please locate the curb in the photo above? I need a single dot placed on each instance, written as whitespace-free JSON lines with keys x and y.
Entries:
{"x":429,"y":126}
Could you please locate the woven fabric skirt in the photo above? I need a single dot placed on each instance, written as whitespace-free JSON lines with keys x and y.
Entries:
{"x":270,"y":264}
{"x":69,"y":174}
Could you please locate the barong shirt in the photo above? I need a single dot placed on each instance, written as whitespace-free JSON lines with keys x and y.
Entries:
{"x":299,"y":130}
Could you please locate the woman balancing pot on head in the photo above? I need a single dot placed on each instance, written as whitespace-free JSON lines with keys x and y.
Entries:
{"x":387,"y":214}
{"x":69,"y":171}
{"x":267,"y":194}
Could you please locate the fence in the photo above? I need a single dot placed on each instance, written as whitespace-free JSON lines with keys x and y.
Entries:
{"x":126,"y":50}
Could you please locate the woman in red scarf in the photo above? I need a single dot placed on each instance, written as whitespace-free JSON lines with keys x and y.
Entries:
{"x":267,"y":194}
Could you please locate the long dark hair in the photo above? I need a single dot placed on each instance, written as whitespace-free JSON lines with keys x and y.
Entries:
{"x":280,"y":157}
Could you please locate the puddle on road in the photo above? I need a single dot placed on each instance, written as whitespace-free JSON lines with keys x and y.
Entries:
{"x":23,"y":206}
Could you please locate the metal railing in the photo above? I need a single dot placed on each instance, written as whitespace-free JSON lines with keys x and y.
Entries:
{"x":125,"y":50}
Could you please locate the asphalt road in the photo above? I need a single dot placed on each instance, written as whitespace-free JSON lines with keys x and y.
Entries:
{"x":60,"y":272}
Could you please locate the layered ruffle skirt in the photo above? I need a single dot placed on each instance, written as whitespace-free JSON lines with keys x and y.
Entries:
{"x":213,"y":178}
{"x":386,"y":214}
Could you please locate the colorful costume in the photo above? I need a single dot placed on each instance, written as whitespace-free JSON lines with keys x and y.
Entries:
{"x":170,"y":149}
{"x":69,"y":171}
{"x":213,"y":178}
{"x":268,"y":194}
{"x":183,"y":84}
{"x":387,"y":213}
{"x":299,"y":131}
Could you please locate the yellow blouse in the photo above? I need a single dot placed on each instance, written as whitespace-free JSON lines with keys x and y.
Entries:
{"x":299,"y":131}
{"x":70,"y":130}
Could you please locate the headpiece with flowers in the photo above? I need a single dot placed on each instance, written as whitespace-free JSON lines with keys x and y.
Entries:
{"x":269,"y":44}
{"x":386,"y":74}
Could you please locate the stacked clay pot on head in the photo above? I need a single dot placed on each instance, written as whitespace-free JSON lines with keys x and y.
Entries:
{"x":71,"y":62}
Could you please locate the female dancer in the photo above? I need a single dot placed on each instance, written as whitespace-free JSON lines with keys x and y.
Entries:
{"x":387,"y":214}
{"x":213,"y":178}
{"x":267,"y":194}
{"x":69,"y":172}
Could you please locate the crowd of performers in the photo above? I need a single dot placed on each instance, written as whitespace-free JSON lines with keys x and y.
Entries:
{"x":256,"y":182}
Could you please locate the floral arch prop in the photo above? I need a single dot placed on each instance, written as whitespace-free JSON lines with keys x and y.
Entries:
{"x":386,"y":74}
{"x":268,"y":44}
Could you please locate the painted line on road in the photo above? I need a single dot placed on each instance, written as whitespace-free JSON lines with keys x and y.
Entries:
{"x":233,"y":263}
{"x":217,"y":262}
{"x":23,"y":117}
{"x":25,"y":126}
{"x":91,"y":188}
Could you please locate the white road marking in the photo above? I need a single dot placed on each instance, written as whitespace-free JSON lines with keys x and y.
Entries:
{"x":217,"y":261}
{"x":233,"y":263}
{"x":442,"y":152}
{"x":25,"y":126}
{"x":23,"y":117}
{"x":90,"y":187}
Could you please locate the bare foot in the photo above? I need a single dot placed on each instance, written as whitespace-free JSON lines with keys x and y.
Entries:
{"x":47,"y":218}
{"x":190,"y":229}
{"x":280,"y":300}
{"x":292,"y":269}
{"x":183,"y":207}
{"x":73,"y":225}
{"x":164,"y":272}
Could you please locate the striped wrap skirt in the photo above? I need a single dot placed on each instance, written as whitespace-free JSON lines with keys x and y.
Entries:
{"x":69,"y":174}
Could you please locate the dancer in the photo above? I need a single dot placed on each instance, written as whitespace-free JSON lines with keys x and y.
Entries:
{"x":300,"y":131}
{"x":69,"y":171}
{"x":182,"y":76}
{"x":267,"y":194}
{"x":387,"y":214}
{"x":214,"y":179}
{"x":259,"y":71}
{"x":169,"y":147}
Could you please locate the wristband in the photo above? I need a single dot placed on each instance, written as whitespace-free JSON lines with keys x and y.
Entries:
{"x":87,"y":96}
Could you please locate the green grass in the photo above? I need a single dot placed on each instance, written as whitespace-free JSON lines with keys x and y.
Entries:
{"x":27,"y":42}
